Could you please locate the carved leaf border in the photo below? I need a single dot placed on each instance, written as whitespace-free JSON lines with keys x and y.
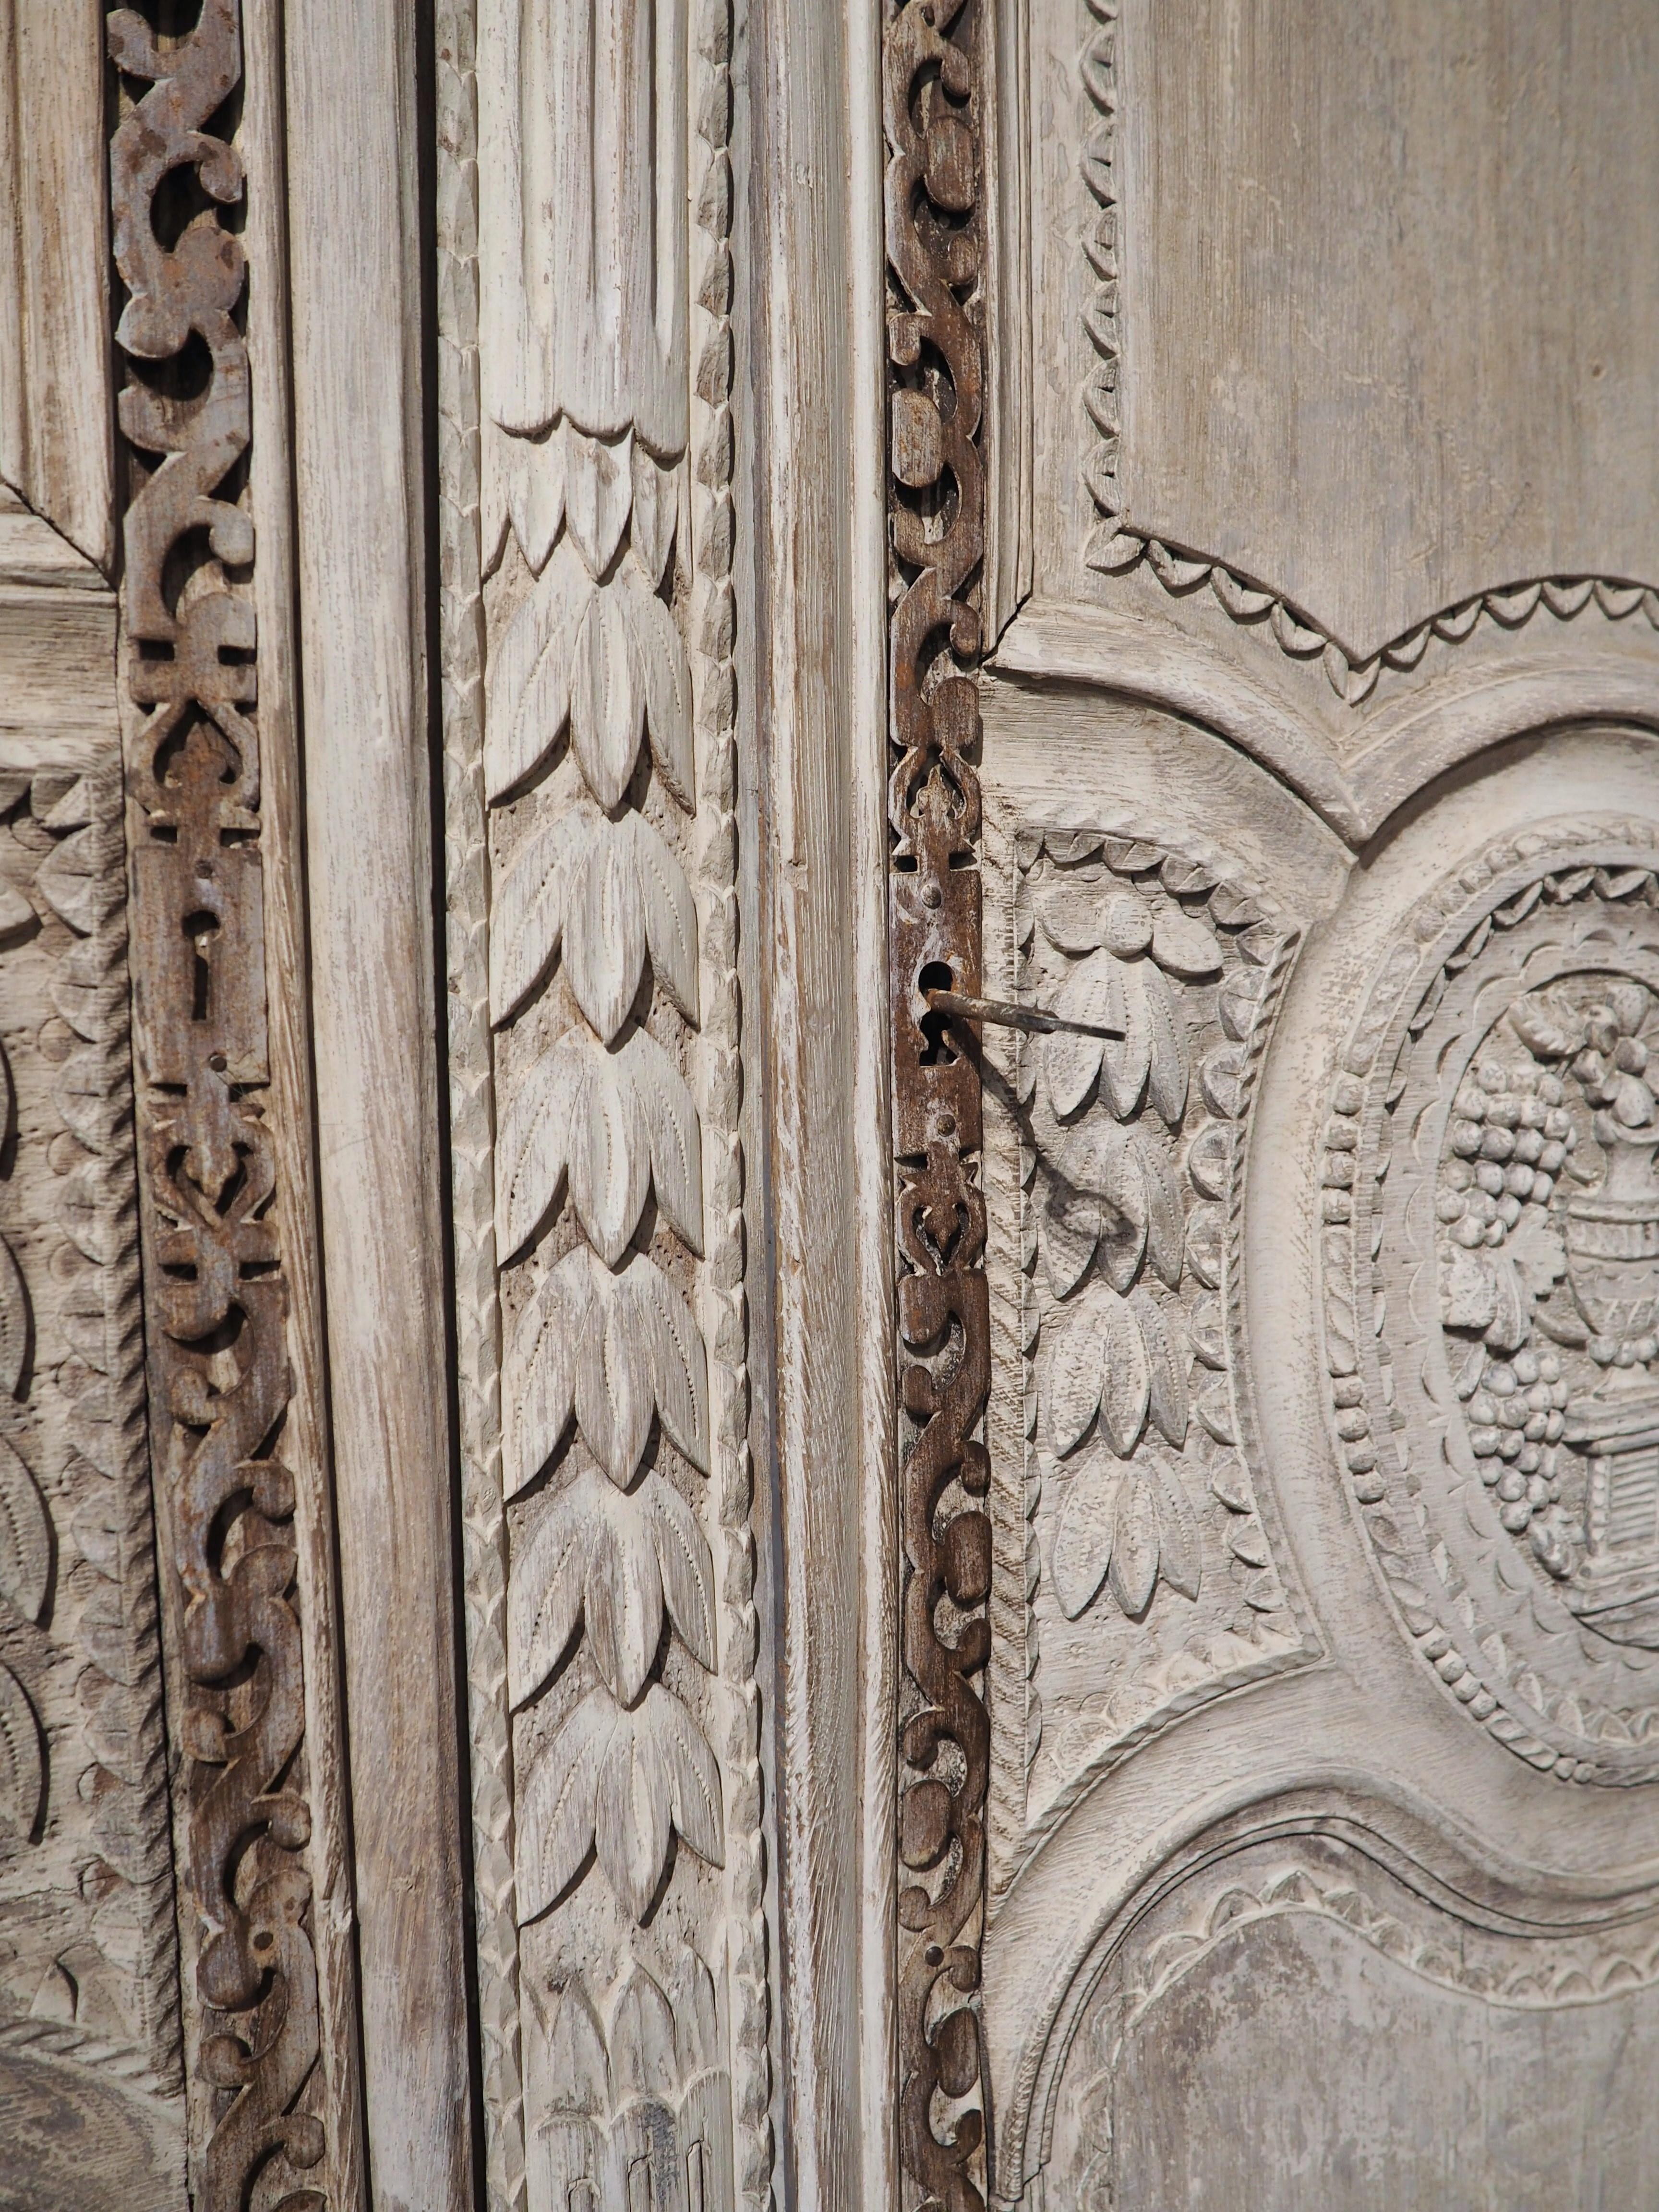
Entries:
{"x":597,"y":897}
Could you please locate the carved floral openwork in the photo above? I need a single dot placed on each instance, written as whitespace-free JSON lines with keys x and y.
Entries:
{"x":1148,"y":1562}
{"x":1492,"y":1268}
{"x":931,"y":116}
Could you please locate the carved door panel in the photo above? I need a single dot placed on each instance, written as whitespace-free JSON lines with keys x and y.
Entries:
{"x":1301,"y":1839}
{"x":828,"y":1326}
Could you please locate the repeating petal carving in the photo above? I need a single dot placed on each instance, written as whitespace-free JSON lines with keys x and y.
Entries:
{"x":22,"y":1770}
{"x":25,"y":1535}
{"x":612,"y":1104}
{"x":620,"y":1123}
{"x":620,"y":1783}
{"x":615,"y":1349}
{"x":1140,"y":1526}
{"x":616,"y":1559}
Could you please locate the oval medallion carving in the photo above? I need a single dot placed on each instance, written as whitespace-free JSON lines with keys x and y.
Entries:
{"x":1491,"y":1254}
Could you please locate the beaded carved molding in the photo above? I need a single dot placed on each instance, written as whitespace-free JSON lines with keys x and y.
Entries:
{"x":591,"y":764}
{"x":1492,"y":1291}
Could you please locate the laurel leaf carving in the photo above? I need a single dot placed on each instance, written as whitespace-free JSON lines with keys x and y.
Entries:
{"x":556,"y":1804}
{"x":1165,"y":1231}
{"x":1168,"y":1071}
{"x":614,"y":1559}
{"x":1166,"y":1364}
{"x":1126,"y":1061}
{"x":1126,"y":1380}
{"x":1074,"y":1377}
{"x":1134,"y":1569}
{"x":621,"y":1592}
{"x":1083,"y":1532}
{"x":13,"y":1322}
{"x":607,"y":699}
{"x":534,"y":1148}
{"x":1180,"y":1556}
{"x":664,"y":683}
{"x":25,"y":1536}
{"x":615,"y":1349}
{"x":531,"y":672}
{"x":629,"y":896}
{"x":618,"y":1783}
{"x":545,"y":1596}
{"x":688,"y":1569}
{"x":531,"y":897}
{"x":22,"y":1771}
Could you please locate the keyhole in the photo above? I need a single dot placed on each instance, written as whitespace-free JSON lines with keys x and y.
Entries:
{"x":201,"y":929}
{"x":938,"y":1048}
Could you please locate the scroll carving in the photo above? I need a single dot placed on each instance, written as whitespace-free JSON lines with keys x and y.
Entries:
{"x":1492,"y":1133}
{"x":936,"y":518}
{"x":612,"y":1618}
{"x":217,"y":1295}
{"x":1142,"y":1549}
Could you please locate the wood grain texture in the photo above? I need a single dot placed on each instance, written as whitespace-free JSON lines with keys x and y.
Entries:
{"x":290,"y":1029}
{"x":56,"y":423}
{"x":358,"y":475}
{"x":1362,"y":263}
{"x":820,"y":623}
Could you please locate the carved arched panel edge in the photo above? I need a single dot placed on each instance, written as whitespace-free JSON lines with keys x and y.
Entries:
{"x":1396,"y":1871}
{"x":1490,"y":1230}
{"x":1494,"y":694}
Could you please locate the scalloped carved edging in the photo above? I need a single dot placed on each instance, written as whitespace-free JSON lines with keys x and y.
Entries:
{"x":1245,"y":1891}
{"x":217,"y":1295}
{"x":1114,"y":548}
{"x":591,"y":774}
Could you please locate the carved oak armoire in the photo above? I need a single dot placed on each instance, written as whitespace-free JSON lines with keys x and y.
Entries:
{"x":829,"y":1106}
